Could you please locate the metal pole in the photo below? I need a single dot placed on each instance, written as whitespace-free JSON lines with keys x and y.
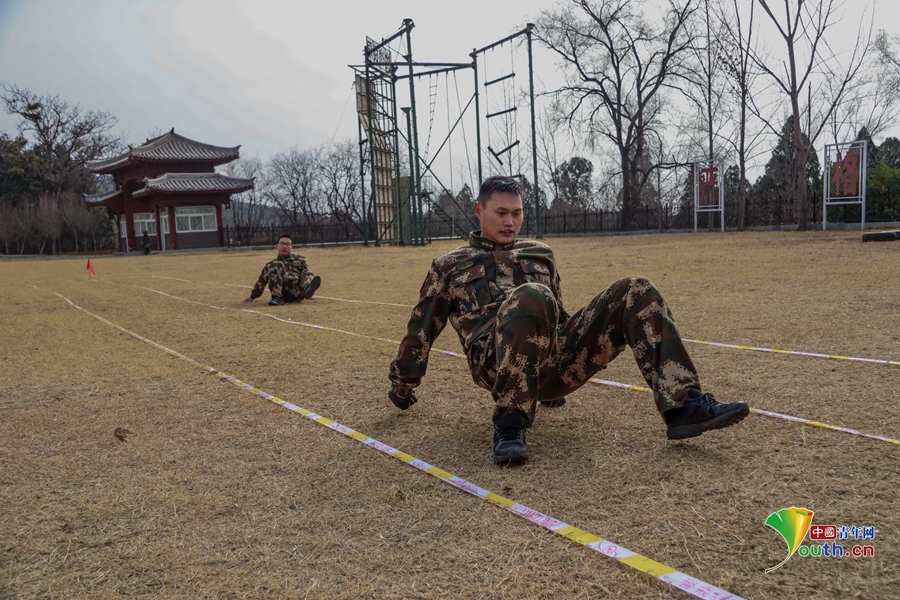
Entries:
{"x":409,"y":188}
{"x":537,"y":195}
{"x":696,"y":196}
{"x":825,"y":182}
{"x":362,"y":180}
{"x":369,"y":100}
{"x":395,"y":160}
{"x":474,"y":56}
{"x":864,"y":169}
{"x":415,"y":198}
{"x":721,"y":164}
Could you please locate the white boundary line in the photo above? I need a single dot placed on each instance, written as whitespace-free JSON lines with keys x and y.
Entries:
{"x":702,"y":342}
{"x":597,"y":381}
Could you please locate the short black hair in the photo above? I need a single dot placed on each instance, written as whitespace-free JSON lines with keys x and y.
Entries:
{"x":498,"y":183}
{"x":286,"y":235}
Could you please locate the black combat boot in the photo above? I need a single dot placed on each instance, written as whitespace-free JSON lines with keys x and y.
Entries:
{"x":553,"y":403}
{"x":509,"y":440}
{"x":699,"y":413}
{"x":276,"y":301}
{"x":312,"y":286}
{"x":403,"y":403}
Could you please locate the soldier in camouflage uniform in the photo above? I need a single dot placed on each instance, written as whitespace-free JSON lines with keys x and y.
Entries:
{"x":287,"y":276}
{"x":502,"y":296}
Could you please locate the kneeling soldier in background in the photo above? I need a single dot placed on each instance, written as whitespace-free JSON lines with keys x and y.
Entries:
{"x":287,"y":276}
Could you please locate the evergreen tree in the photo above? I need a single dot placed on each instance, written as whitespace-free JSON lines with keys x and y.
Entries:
{"x":889,"y":152}
{"x":871,"y":148}
{"x":732,"y":183}
{"x":18,"y":174}
{"x":572,"y":179}
{"x":528,"y":197}
{"x":775,"y":187}
{"x":883,"y":193}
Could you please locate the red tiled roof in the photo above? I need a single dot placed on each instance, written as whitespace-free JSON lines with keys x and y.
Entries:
{"x":169,"y":147}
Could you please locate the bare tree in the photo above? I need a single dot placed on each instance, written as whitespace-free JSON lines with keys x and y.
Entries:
{"x":886,"y":48}
{"x":28,"y":228}
{"x":811,"y":66}
{"x":870,"y":105}
{"x":704,"y":132}
{"x":87,"y":222}
{"x":64,"y":137}
{"x":872,"y":102}
{"x":548,"y":131}
{"x":739,"y":45}
{"x":705,"y":90}
{"x":49,"y":221}
{"x":74,"y":217}
{"x":617,"y":67}
{"x":293,"y":185}
{"x":248,"y":209}
{"x":341,"y":186}
{"x":23,"y":217}
{"x":7,"y":225}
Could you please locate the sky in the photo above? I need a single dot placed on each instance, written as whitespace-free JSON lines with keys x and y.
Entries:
{"x":265,"y":74}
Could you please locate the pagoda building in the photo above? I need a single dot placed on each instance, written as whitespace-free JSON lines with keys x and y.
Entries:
{"x":168,"y":188}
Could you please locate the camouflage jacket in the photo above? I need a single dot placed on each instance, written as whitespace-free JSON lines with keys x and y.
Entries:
{"x":293,"y":263}
{"x":467,"y":286}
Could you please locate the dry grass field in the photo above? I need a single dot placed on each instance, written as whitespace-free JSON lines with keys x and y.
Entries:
{"x":215,"y":492}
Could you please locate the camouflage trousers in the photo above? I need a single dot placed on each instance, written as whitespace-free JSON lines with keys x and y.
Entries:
{"x":287,"y":284}
{"x":529,"y":356}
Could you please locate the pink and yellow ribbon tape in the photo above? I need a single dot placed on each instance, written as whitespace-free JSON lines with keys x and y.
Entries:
{"x":637,"y":561}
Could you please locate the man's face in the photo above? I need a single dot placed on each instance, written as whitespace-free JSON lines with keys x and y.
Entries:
{"x":500,"y":217}
{"x":284,"y":247}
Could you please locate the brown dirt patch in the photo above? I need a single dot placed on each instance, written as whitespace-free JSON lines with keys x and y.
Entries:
{"x":217,"y":493}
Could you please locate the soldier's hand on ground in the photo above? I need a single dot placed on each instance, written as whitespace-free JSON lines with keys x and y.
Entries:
{"x":403,"y":403}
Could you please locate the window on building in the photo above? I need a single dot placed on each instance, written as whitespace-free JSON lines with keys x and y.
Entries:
{"x":187,"y":219}
{"x":195,"y":218}
{"x":142,"y":222}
